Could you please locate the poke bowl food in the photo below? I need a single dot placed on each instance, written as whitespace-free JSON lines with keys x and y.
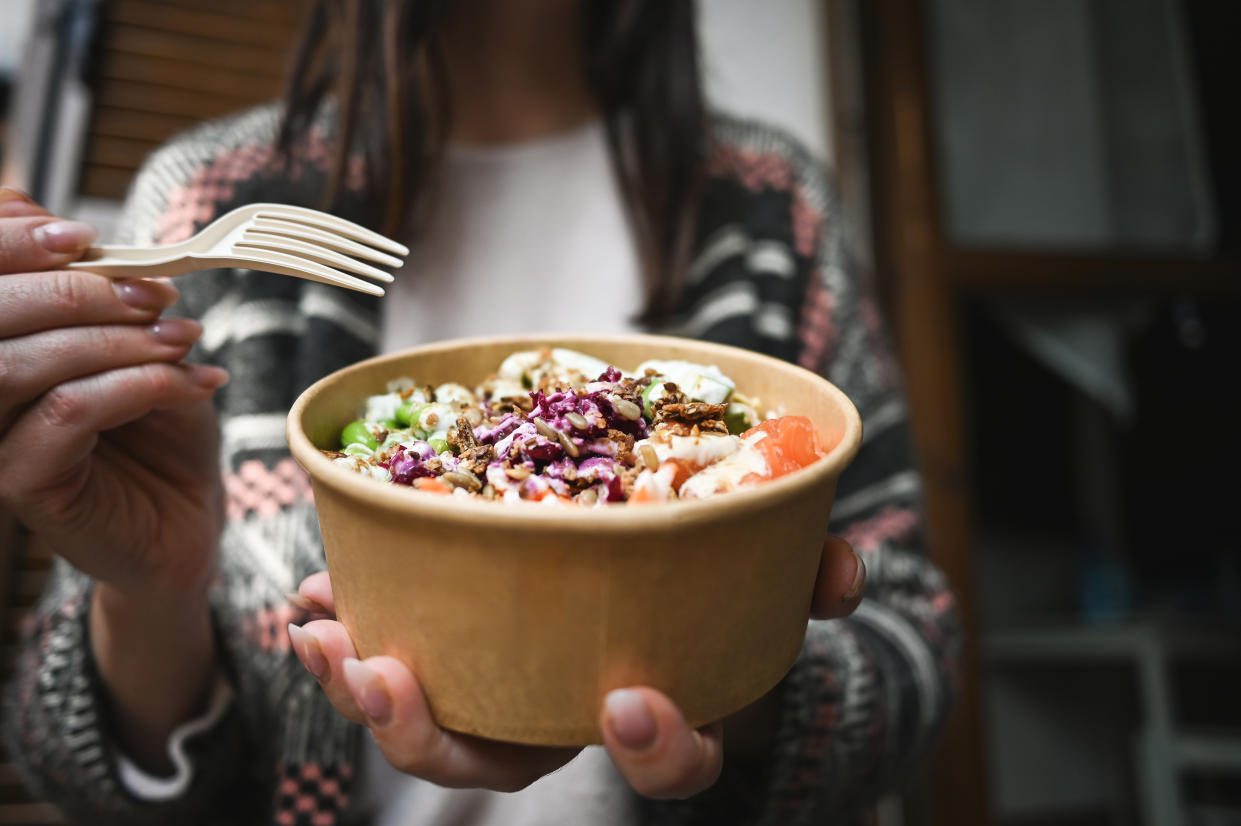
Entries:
{"x":558,"y":426}
{"x":530,"y":522}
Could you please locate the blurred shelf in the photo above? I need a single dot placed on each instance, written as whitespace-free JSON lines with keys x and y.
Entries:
{"x":1085,"y":273}
{"x":1073,"y":642}
{"x":1208,"y":750}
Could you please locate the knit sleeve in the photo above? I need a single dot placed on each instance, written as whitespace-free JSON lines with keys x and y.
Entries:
{"x":57,"y":726}
{"x":869,"y":693}
{"x":56,"y":710}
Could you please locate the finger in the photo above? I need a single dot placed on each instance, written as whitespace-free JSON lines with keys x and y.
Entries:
{"x":322,"y":646}
{"x":655,"y":749}
{"x":31,"y":365}
{"x":53,"y":437}
{"x":315,"y":595}
{"x":841,"y":580}
{"x":17,"y":204}
{"x":32,"y":302}
{"x":401,"y":721}
{"x":42,"y":242}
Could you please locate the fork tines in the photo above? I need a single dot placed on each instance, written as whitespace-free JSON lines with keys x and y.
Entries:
{"x":325,"y":244}
{"x":332,"y":223}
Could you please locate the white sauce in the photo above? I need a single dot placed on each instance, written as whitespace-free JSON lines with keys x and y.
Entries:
{"x":382,"y":408}
{"x":702,"y":382}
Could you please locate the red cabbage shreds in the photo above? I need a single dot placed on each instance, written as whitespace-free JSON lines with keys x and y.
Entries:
{"x":603,"y":471}
{"x":594,"y":402}
{"x":603,"y":401}
{"x":560,"y":469}
{"x":525,"y":442}
{"x":490,"y":435}
{"x":551,"y":407}
{"x":408,"y":464}
{"x":597,"y":469}
{"x":611,"y":375}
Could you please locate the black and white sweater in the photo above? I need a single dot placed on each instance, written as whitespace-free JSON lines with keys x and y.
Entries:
{"x":769,"y":273}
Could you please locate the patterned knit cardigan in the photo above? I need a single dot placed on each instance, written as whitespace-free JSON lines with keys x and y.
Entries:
{"x":867,"y":694}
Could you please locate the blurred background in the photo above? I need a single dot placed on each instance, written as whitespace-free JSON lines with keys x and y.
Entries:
{"x":1048,"y":194}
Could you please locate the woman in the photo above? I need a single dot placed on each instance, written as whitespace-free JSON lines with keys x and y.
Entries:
{"x":554,"y":167}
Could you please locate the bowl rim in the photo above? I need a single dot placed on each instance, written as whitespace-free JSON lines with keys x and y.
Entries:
{"x":538,"y":515}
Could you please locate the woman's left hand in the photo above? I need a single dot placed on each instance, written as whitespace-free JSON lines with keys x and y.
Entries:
{"x":645,"y":734}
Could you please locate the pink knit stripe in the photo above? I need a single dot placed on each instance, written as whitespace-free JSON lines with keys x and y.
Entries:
{"x":268,"y":628}
{"x":255,"y":489}
{"x":891,"y":523}
{"x":196,"y":203}
{"x":815,"y":330}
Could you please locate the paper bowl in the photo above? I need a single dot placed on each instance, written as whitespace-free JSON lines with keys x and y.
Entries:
{"x":518,"y":618}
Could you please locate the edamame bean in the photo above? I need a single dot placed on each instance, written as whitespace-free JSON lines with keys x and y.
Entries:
{"x":356,"y":432}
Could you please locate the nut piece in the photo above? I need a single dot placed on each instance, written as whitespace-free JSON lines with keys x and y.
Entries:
{"x":568,"y":445}
{"x":462,"y":479}
{"x":625,"y":408}
{"x":649,"y":457}
{"x":544,"y":428}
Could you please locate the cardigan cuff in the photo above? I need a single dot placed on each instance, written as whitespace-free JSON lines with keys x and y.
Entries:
{"x":152,"y":789}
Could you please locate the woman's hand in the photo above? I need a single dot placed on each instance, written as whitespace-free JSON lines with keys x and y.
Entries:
{"x":108,"y":454}
{"x":107,"y":442}
{"x":644,"y":732}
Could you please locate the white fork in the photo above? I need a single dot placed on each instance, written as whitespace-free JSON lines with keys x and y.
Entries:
{"x":277,"y":238}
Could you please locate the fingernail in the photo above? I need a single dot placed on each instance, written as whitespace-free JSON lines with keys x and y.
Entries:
{"x":206,"y":376}
{"x":305,"y":603}
{"x":146,"y":295}
{"x":175,"y":331}
{"x":65,"y":236}
{"x":307,"y":649}
{"x":368,"y":690}
{"x":12,"y":193}
{"x":859,"y":580}
{"x":630,"y":719}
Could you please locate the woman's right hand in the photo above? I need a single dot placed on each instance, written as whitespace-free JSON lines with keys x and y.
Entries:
{"x":108,"y":447}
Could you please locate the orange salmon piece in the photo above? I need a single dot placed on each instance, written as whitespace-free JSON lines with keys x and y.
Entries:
{"x":431,"y":485}
{"x":791,"y":443}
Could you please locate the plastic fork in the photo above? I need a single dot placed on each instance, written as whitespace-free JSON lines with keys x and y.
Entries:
{"x":276,"y":238}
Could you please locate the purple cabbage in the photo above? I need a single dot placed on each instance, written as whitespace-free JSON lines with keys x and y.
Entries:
{"x":408,"y":464}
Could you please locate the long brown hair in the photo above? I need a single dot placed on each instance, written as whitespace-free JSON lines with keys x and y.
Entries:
{"x":376,"y":61}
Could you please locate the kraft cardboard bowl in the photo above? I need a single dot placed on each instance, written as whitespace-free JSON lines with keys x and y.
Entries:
{"x":518,"y":618}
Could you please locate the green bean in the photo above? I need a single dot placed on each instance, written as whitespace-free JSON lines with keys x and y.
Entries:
{"x":646,"y":397}
{"x":356,"y":432}
{"x":737,"y":419}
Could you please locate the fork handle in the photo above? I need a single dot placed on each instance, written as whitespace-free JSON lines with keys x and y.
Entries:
{"x":134,"y":262}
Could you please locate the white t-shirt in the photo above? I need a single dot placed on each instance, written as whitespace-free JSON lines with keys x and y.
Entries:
{"x":528,"y":237}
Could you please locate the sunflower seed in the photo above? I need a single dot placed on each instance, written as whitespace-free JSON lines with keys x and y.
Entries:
{"x":568,"y":445}
{"x":577,"y":420}
{"x":588,"y":497}
{"x":649,"y":457}
{"x":462,"y":479}
{"x":517,"y":472}
{"x":544,"y":428}
{"x":489,"y":492}
{"x":626,"y":408}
